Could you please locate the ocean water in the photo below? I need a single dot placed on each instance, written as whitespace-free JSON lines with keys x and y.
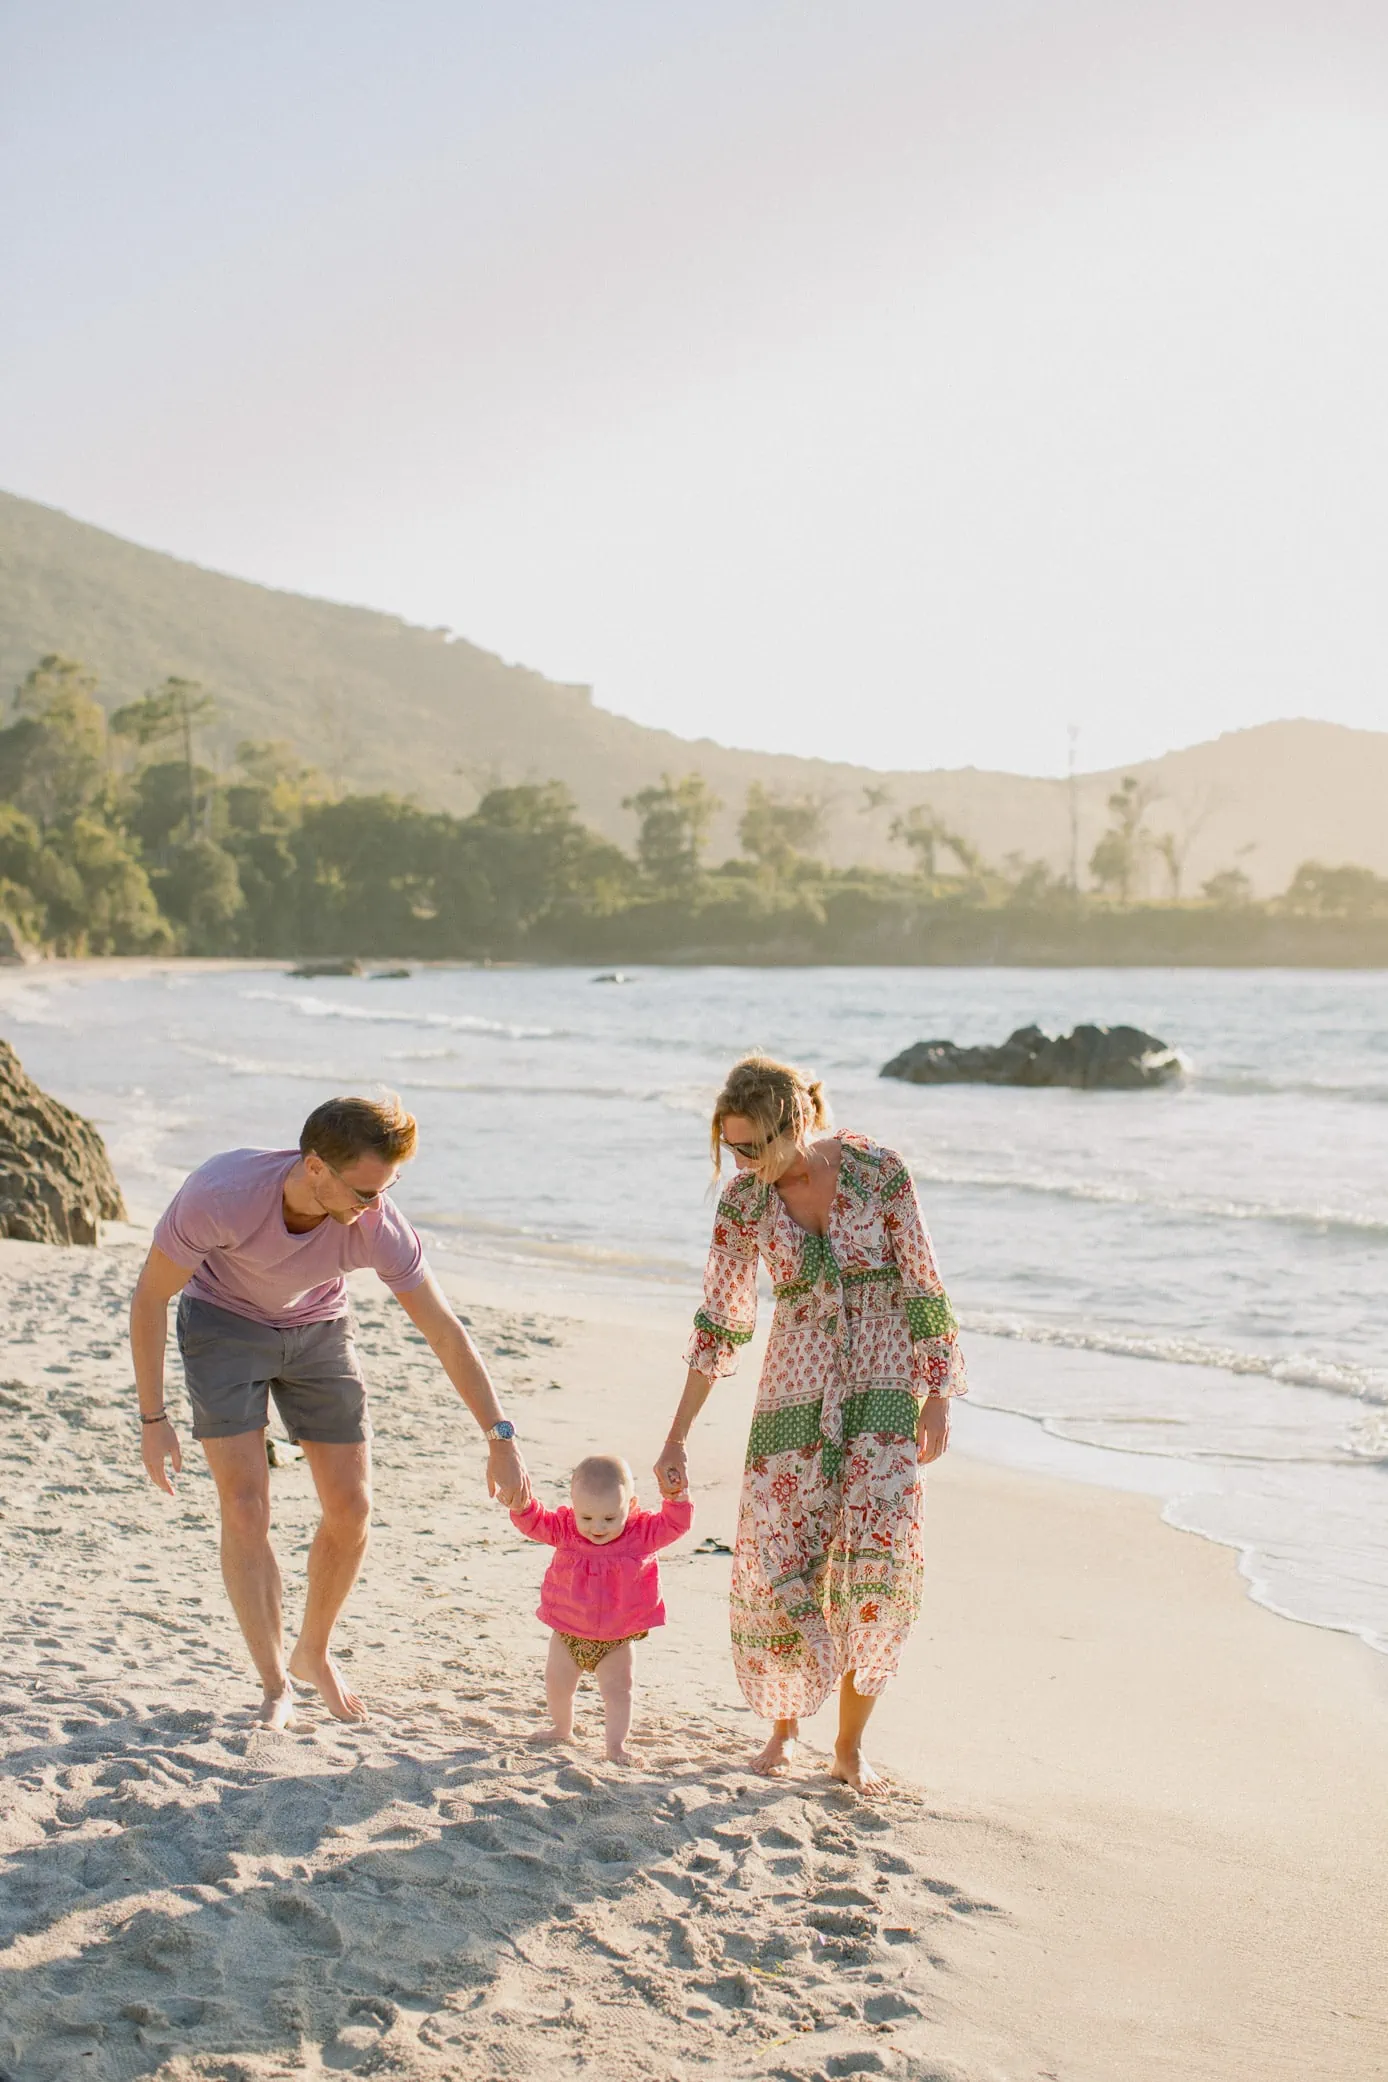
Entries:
{"x":1184,"y":1287}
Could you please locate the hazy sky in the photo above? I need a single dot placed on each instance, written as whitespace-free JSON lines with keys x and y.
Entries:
{"x":891,"y":381}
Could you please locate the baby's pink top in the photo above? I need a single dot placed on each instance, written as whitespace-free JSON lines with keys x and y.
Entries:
{"x":604,"y":1593}
{"x":226,"y":1221}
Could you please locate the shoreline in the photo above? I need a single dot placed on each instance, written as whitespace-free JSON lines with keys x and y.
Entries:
{"x":1149,"y":961}
{"x":996,"y":1435}
{"x":1138,"y":1828}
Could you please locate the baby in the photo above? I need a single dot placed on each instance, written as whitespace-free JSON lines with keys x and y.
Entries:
{"x":602,"y":1590}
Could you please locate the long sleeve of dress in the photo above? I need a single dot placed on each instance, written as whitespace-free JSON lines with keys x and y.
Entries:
{"x":937,"y":1361}
{"x":729,"y":1315}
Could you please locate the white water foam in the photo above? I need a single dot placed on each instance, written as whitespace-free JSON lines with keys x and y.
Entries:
{"x":1190,"y":1278}
{"x":1364,"y":1383}
{"x":1319,"y":1218}
{"x":310,"y":1007}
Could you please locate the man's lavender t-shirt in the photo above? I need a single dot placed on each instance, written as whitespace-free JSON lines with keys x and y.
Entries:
{"x":227,"y":1221}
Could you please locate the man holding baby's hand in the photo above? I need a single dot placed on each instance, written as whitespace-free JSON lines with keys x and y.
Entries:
{"x":258,"y":1243}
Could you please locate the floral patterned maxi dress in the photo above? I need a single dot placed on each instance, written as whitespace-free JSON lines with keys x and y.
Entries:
{"x":828,"y":1569}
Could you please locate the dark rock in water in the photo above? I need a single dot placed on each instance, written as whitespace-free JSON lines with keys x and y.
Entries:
{"x":1092,"y":1059}
{"x":56,"y":1180}
{"x":327,"y":968}
{"x":390,"y":976}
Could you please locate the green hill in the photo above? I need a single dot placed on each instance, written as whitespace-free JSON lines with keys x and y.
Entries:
{"x":379,"y":704}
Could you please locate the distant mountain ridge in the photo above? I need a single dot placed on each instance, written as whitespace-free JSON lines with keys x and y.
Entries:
{"x":381,"y":704}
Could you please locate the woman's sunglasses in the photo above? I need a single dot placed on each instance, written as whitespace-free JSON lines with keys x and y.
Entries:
{"x":753,"y":1150}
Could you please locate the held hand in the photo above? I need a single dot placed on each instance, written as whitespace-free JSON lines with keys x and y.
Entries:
{"x":671,"y":1471}
{"x":507,"y":1478}
{"x":932,"y":1429}
{"x":158,"y":1443}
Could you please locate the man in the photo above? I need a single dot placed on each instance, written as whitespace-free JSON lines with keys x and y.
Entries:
{"x":258,"y":1243}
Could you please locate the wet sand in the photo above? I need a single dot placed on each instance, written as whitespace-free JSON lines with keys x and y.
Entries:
{"x":1137,"y":1825}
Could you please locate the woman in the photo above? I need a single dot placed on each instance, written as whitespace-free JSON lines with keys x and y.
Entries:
{"x":854,"y":1398}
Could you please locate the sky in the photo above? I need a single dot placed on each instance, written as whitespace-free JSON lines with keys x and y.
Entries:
{"x":907,"y":381}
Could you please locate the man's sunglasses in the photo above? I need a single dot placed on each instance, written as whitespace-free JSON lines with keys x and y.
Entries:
{"x":362,"y":1199}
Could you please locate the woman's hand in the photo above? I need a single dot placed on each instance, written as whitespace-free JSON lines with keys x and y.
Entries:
{"x":672,"y":1469}
{"x":932,"y":1428}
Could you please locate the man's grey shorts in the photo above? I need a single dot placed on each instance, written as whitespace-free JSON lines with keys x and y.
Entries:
{"x":233,"y":1366}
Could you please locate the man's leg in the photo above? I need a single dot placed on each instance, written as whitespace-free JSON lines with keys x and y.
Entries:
{"x":342,"y":1477}
{"x":249,"y":1569}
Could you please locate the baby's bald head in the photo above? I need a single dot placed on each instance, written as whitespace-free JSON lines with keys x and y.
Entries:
{"x":603,"y":1490}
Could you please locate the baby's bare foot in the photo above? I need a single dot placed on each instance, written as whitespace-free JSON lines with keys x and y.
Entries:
{"x":550,"y":1737}
{"x":618,"y":1753}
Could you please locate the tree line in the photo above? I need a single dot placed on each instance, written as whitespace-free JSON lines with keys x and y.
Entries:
{"x":116,"y":837}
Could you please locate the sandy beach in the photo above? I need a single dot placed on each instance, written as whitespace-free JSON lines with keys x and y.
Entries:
{"x":1138,"y":1825}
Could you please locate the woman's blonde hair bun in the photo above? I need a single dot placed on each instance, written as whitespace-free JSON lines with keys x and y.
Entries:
{"x":776,"y":1097}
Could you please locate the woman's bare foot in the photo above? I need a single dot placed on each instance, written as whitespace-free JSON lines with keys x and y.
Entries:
{"x":852,"y":1768}
{"x":779,"y":1753}
{"x":322,"y":1673}
{"x":551,"y":1737}
{"x":277,"y":1708}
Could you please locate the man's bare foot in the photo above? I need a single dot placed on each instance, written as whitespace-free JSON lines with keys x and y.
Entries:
{"x":277,"y":1708}
{"x":852,"y":1768}
{"x":322,"y":1673}
{"x":550,"y":1738}
{"x":779,"y":1753}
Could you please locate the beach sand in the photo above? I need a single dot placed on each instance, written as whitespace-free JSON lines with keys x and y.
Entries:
{"x":1138,"y":1826}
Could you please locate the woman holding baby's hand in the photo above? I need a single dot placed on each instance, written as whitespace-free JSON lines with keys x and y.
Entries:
{"x":853,"y":1401}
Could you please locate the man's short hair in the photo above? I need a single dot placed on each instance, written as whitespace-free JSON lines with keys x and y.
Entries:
{"x":341,"y":1130}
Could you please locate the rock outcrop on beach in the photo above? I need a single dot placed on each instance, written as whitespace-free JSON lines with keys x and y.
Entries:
{"x":1092,"y":1059}
{"x":56,"y":1181}
{"x":14,"y":948}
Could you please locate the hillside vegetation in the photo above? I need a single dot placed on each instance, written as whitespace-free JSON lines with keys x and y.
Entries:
{"x":116,"y":837}
{"x":374,"y":705}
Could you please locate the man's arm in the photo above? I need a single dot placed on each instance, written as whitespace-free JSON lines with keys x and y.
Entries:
{"x":458,"y":1356}
{"x":160,"y":1279}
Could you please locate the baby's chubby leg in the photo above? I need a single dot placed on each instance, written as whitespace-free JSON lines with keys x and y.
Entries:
{"x":561,"y":1685}
{"x":615,"y":1679}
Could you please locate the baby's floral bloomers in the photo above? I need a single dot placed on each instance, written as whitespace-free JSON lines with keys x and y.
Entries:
{"x":828,"y":1567}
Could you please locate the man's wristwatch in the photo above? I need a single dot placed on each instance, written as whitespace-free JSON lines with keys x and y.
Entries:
{"x":502,"y":1429}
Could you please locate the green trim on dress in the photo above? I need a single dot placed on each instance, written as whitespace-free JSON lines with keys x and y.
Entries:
{"x":730,"y":1208}
{"x":797,"y":1427}
{"x":877,"y":1410}
{"x":704,"y":1321}
{"x":787,"y":1430}
{"x":930,"y":1315}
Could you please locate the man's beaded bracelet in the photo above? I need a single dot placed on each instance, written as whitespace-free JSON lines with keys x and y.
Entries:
{"x":157,"y":1418}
